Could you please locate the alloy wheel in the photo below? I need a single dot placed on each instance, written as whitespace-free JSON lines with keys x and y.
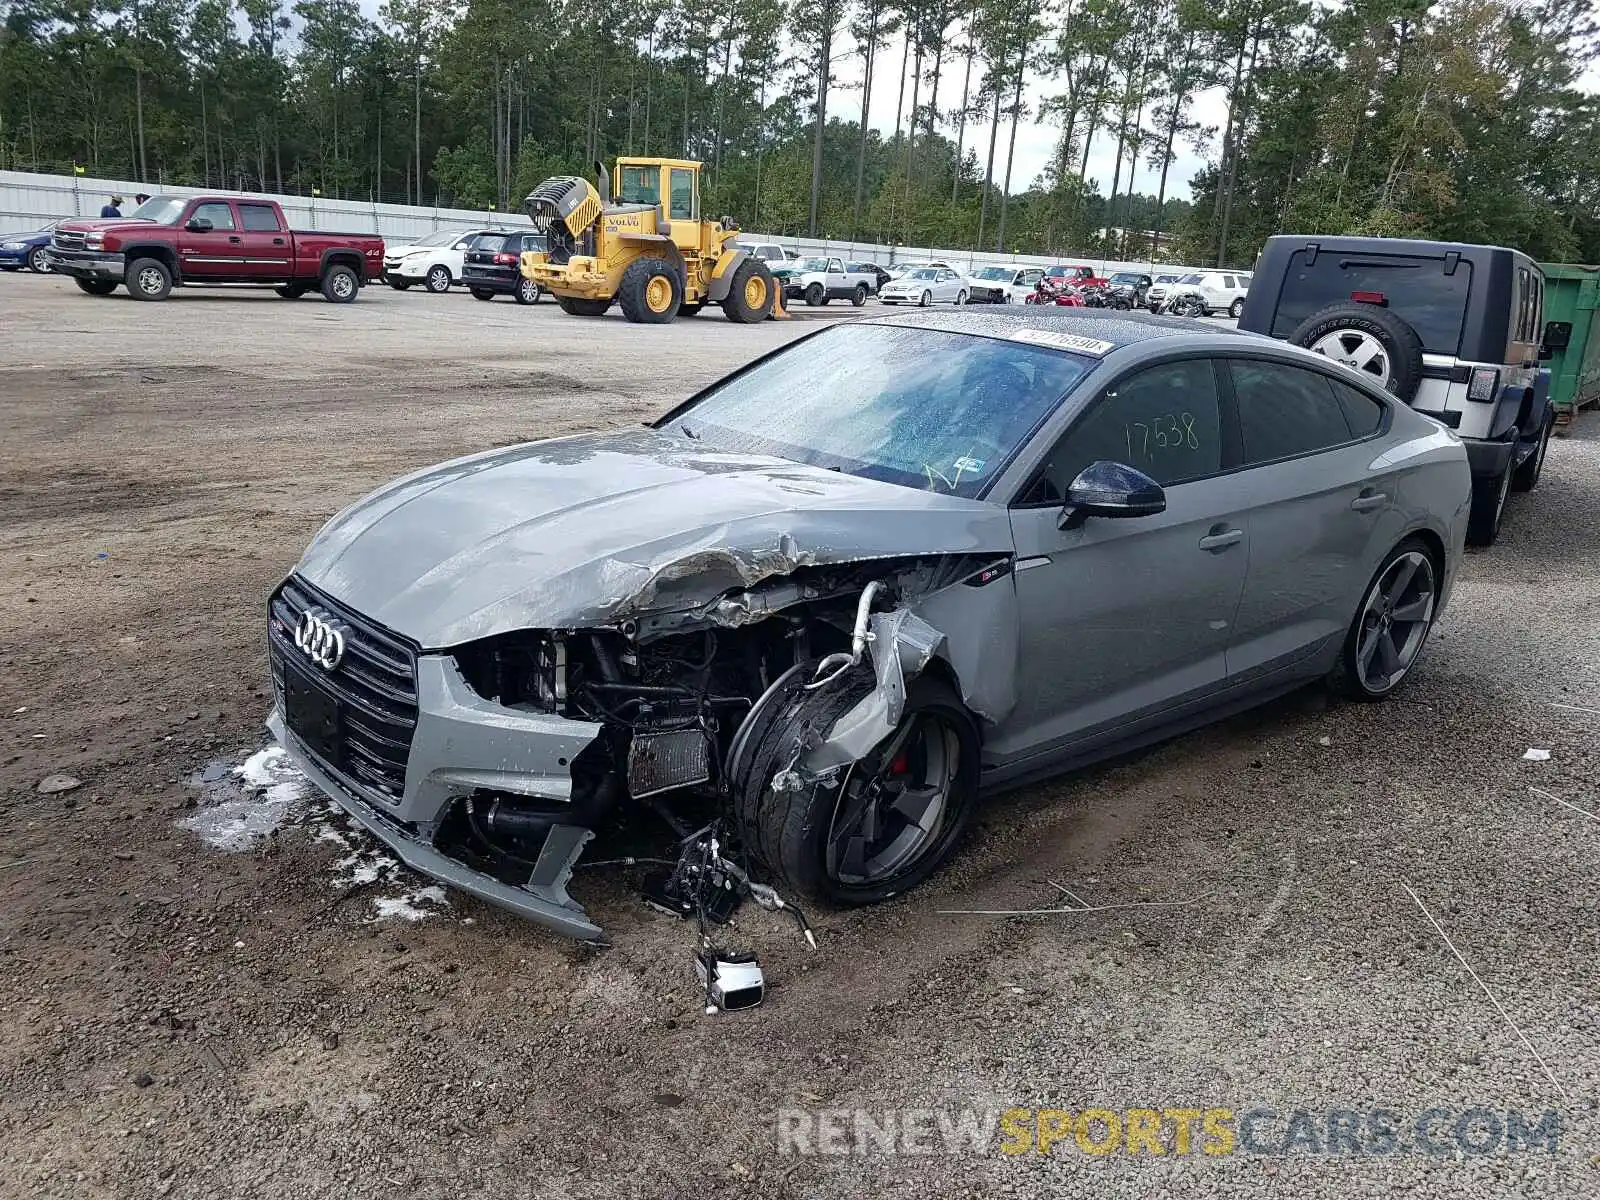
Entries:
{"x":893,"y":805}
{"x":1356,"y":348}
{"x":344,"y":286}
{"x":1395,"y":621}
{"x":151,"y":281}
{"x":439,"y":279}
{"x":36,"y":261}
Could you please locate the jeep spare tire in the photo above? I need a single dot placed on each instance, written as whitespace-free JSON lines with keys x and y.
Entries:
{"x":1372,"y":340}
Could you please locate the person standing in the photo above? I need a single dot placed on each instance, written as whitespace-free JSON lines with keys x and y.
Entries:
{"x":113,"y":209}
{"x":139,"y":198}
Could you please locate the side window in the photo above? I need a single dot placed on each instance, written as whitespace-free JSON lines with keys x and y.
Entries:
{"x":259,"y":218}
{"x":1164,"y":420}
{"x":1520,"y":330}
{"x":835,"y":266}
{"x":1032,"y":276}
{"x":1285,"y":411}
{"x":219,"y":214}
{"x":682,"y":205}
{"x":1362,"y":413}
{"x":1227,"y":282}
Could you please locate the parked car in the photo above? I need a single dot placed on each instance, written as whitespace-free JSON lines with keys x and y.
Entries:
{"x":190,"y":241}
{"x":1455,"y":330}
{"x":1219,"y":291}
{"x":972,"y":553}
{"x":1133,"y":284}
{"x":818,"y":280}
{"x":1156,"y":294}
{"x":770,"y":253}
{"x":1004,"y":285}
{"x":18,"y":250}
{"x":492,"y":266}
{"x":436,"y":261}
{"x":879,"y":275}
{"x":924,"y":286}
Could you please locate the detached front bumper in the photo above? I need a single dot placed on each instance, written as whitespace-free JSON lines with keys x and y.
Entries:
{"x":456,"y":733}
{"x":87,"y":264}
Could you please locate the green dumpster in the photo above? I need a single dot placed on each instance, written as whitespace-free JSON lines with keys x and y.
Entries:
{"x":1572,"y":294}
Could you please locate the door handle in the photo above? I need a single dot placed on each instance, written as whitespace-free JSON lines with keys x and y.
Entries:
{"x":1220,"y":538}
{"x":1369,"y":499}
{"x":277,"y":241}
{"x":234,"y":238}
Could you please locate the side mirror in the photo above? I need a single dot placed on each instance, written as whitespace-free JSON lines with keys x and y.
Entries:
{"x":199,"y":225}
{"x":1557,"y":336}
{"x":1111,"y":489}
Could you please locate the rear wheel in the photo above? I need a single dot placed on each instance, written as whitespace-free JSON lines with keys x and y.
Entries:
{"x":894,"y":816}
{"x":650,"y":292}
{"x":859,"y":296}
{"x":576,"y":307}
{"x":339,"y":284}
{"x":1392,"y":625}
{"x":438,"y":278}
{"x":528,"y":291}
{"x":1488,"y":507}
{"x":148,"y":279}
{"x":1236,"y":309}
{"x":750,"y":293}
{"x":96,"y":287}
{"x":1526,"y":477}
{"x":36,"y":261}
{"x":1371,"y":340}
{"x":482,"y":294}
{"x":961,"y":296}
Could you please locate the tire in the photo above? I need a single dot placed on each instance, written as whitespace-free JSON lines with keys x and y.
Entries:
{"x":925,"y":299}
{"x":1005,"y":298}
{"x":96,"y":287}
{"x":576,"y":307}
{"x":36,"y":262}
{"x":1526,"y":477}
{"x":751,"y":293}
{"x":528,"y":292}
{"x":340,"y":284}
{"x":148,"y":279}
{"x":792,"y":832}
{"x":1360,"y":673}
{"x":1236,"y":309}
{"x":482,"y":294}
{"x":815,"y":296}
{"x":1372,"y":340}
{"x":400,"y":285}
{"x":650,"y":291}
{"x":961,"y":297}
{"x":1489,"y":494}
{"x":859,"y":296}
{"x":438,"y":279}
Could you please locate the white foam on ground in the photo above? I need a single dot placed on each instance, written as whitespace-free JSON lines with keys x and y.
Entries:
{"x":261,"y":794}
{"x":409,"y":907}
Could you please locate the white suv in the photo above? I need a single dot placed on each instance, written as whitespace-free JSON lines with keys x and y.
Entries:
{"x":1220,"y":291}
{"x":434,"y":261}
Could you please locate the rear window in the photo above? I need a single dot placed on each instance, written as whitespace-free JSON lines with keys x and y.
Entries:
{"x":491,"y":242}
{"x":1415,"y":288}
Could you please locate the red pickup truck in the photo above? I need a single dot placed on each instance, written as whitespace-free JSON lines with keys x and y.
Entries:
{"x":184,"y":241}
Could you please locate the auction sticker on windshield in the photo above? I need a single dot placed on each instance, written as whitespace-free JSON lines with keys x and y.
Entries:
{"x":1062,"y":341}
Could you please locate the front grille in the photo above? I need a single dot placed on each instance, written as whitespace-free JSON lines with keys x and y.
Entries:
{"x":67,"y":239}
{"x":358,"y":718}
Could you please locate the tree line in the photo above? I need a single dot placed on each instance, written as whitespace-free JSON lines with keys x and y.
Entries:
{"x":1459,"y":118}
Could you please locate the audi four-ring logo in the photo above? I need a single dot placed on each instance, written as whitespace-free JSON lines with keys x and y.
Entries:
{"x":322,"y":641}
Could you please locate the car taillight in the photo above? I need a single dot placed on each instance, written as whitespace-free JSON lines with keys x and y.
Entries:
{"x":505,"y":260}
{"x":1370,"y":298}
{"x":1485,"y":382}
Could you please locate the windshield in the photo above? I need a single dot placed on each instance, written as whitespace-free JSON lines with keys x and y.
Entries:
{"x":1416,"y":288}
{"x":1125,"y":277}
{"x":1192,"y":279}
{"x":1166,"y":279}
{"x":1001,"y":273}
{"x":163,"y":210}
{"x":442,"y":237}
{"x":924,"y":273}
{"x":491,"y":242}
{"x":640,"y":185}
{"x":920,"y":407}
{"x":814,"y":264}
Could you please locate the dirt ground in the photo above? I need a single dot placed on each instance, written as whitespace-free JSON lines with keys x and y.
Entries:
{"x":180,"y":1021}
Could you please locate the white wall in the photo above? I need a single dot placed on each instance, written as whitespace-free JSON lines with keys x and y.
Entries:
{"x":28,"y":201}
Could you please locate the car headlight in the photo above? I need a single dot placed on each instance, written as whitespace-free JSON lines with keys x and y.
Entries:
{"x":94,"y":241}
{"x":11,"y":245}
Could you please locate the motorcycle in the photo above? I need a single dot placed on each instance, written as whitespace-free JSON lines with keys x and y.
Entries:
{"x":1061,"y":294}
{"x":1184,"y":304}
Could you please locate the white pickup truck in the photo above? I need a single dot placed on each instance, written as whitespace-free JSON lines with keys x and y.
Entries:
{"x":818,"y":280}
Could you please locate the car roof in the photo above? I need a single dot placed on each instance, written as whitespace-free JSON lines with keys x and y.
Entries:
{"x":1104,"y":325}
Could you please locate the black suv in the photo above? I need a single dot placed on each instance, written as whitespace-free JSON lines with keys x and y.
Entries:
{"x":492,"y":266}
{"x":1455,"y":330}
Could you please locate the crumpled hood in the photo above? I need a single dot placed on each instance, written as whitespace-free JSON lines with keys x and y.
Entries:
{"x":585,"y":530}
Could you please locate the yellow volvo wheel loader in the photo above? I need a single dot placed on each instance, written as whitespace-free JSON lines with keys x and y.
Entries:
{"x":648,"y":248}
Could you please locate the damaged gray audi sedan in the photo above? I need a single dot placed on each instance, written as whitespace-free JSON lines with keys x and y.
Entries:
{"x":841,"y":593}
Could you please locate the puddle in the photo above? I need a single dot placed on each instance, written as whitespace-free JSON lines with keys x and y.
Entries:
{"x":243,"y":804}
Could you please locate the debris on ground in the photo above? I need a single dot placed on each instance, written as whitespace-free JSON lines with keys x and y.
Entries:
{"x":52,"y":785}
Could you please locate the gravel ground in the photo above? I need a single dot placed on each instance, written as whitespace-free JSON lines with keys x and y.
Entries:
{"x":180,"y":1021}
